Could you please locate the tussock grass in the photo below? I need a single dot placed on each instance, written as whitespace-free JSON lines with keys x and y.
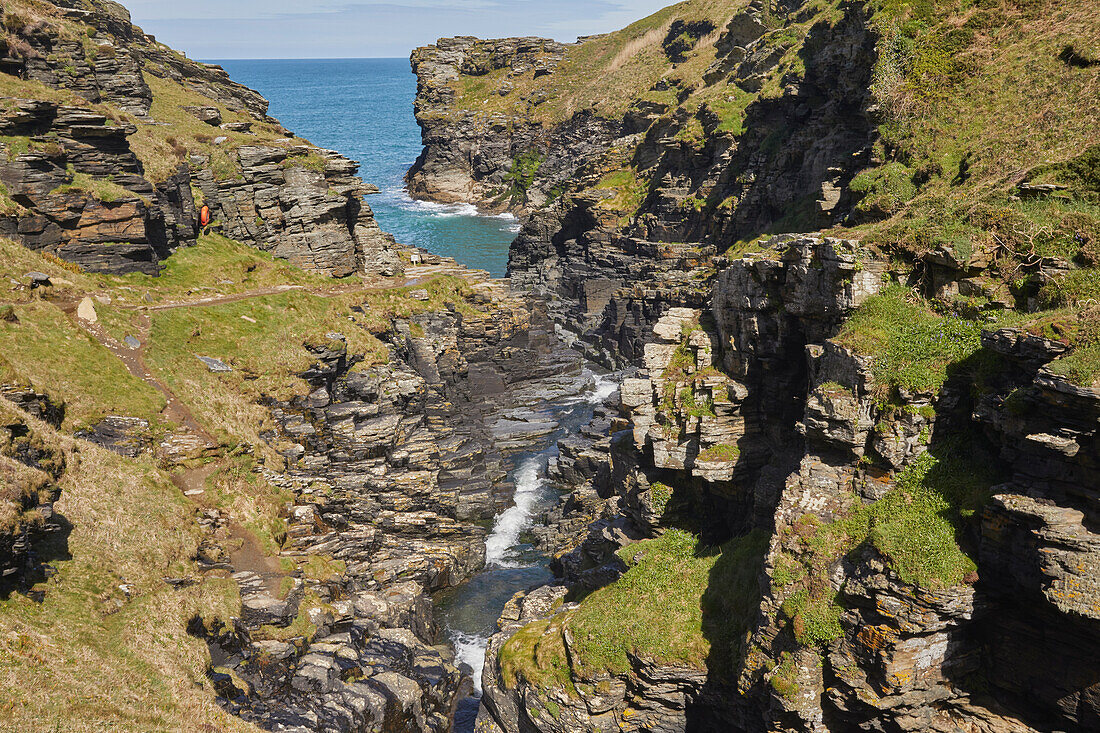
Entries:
{"x":913,"y":346}
{"x":89,"y":657}
{"x":679,"y":603}
{"x":919,"y":528}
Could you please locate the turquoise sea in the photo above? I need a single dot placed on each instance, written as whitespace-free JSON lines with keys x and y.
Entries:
{"x":363,"y":108}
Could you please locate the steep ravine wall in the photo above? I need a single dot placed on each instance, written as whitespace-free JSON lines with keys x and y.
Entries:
{"x":878,"y":448}
{"x":626,"y":210}
{"x":394,"y":471}
{"x":859,"y":627}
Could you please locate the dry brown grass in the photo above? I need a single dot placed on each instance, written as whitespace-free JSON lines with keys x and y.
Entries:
{"x":90,"y":657}
{"x":636,"y":45}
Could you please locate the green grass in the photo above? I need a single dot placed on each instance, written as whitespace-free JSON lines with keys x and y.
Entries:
{"x":163,"y":147}
{"x":957,"y":81}
{"x":45,"y":348}
{"x":679,"y":603}
{"x":1082,"y":331}
{"x":630,"y":191}
{"x":103,"y":189}
{"x":720,"y":452}
{"x":603,"y":74}
{"x":522,"y":175}
{"x":1076,"y":288}
{"x":659,"y":496}
{"x":918,"y":527}
{"x":536,"y":654}
{"x":263,"y":338}
{"x":89,"y":658}
{"x":216,"y":265}
{"x":1082,"y":366}
{"x":310,"y":161}
{"x":883,"y":190}
{"x":912,"y":345}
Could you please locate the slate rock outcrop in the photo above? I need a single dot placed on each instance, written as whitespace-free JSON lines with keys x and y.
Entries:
{"x":79,"y":186}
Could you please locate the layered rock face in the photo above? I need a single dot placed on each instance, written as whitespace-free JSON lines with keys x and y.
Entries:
{"x":650,"y":196}
{"x":470,"y":156}
{"x":759,"y":416}
{"x":316,"y":218}
{"x":77,"y":177}
{"x":130,"y":233}
{"x":393,"y":470}
{"x":30,"y":469}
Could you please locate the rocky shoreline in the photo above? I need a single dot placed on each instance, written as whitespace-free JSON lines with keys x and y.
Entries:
{"x":843,"y":485}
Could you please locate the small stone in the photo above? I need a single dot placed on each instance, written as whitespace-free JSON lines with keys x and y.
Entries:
{"x":132,"y":342}
{"x":210,"y":115}
{"x":86,"y":311}
{"x":38,"y":279}
{"x":221,"y":140}
{"x":215,"y":365}
{"x":420,"y":294}
{"x":246,"y":318}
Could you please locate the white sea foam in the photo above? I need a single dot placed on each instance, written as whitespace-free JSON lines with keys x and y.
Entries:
{"x":517,"y":518}
{"x":470,"y":649}
{"x":606,"y":384}
{"x":401,"y":199}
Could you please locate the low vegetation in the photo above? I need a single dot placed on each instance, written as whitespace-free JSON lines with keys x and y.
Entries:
{"x":44,"y":347}
{"x":919,"y":528}
{"x":106,"y":649}
{"x":913,"y":347}
{"x":679,"y":603}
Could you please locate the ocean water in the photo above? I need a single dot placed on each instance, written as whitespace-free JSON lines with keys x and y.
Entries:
{"x":363,"y":108}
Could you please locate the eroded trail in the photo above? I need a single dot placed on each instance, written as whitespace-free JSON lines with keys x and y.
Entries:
{"x":244,"y":550}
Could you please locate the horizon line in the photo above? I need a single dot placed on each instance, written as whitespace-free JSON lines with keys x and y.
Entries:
{"x":303,"y":58}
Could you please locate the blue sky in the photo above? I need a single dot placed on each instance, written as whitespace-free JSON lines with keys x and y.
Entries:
{"x":227,"y":29}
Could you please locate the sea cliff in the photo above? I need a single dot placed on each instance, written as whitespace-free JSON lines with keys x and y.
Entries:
{"x":858,"y":411}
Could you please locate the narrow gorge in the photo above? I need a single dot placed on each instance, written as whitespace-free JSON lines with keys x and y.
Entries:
{"x":786,"y":417}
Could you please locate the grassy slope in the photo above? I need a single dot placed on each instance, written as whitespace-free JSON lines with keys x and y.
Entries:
{"x":173,"y":134}
{"x":680,"y":603}
{"x":89,"y":658}
{"x":604,"y":74}
{"x":45,"y":348}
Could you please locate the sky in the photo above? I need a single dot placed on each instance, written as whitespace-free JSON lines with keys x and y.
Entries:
{"x":257,"y":29}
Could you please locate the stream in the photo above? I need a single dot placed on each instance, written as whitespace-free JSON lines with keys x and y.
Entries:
{"x":364,"y":109}
{"x":469,"y":613}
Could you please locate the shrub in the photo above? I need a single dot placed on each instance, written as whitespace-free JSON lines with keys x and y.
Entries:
{"x":521,"y":176}
{"x":883,"y":190}
{"x":659,"y":496}
{"x":1075,"y":288}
